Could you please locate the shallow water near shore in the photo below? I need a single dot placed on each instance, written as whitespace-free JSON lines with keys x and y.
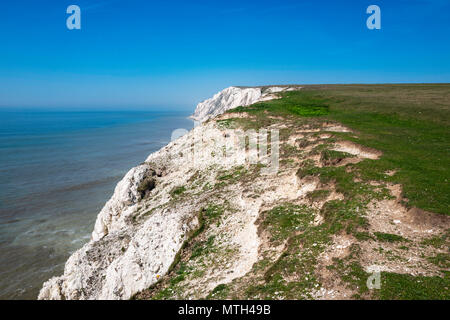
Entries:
{"x":57,"y":171}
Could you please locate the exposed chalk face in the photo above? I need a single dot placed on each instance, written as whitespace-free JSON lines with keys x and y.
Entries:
{"x":140,"y":229}
{"x":233,"y":97}
{"x":226,"y":99}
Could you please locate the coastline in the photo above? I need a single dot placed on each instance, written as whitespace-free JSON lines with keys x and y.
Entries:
{"x":51,"y":211}
{"x":201,"y":219}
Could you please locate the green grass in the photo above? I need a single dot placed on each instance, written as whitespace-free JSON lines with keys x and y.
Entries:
{"x":304,"y":243}
{"x":393,"y":286}
{"x":305,"y":106}
{"x":177,"y":191}
{"x":388,"y":237}
{"x":291,"y":224}
{"x":292,"y":106}
{"x":226,"y":123}
{"x":202,"y":247}
{"x":363,"y":236}
{"x":438,"y":241}
{"x":233,"y":175}
{"x":284,"y":220}
{"x":409,"y":124}
{"x":213,"y":212}
{"x":219,"y":292}
{"x":319,"y":194}
{"x":406,"y":287}
{"x":330,"y":155}
{"x":442,"y":260}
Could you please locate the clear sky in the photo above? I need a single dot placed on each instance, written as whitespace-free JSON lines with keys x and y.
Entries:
{"x":173,"y":54}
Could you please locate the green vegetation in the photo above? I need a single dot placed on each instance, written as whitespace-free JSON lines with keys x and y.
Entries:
{"x":344,"y":215}
{"x":202,"y":247}
{"x":178,"y":191}
{"x":411,"y":138}
{"x":442,"y":260}
{"x":363,"y":236}
{"x":388,"y":237}
{"x":408,"y":123}
{"x":318,"y":194}
{"x":283,"y":221}
{"x":438,"y":241}
{"x":305,"y":242}
{"x":213,"y":212}
{"x":393,"y":286}
{"x":238,"y":174}
{"x":396,"y":286}
{"x":233,"y":175}
{"x":219,"y":292}
{"x":351,"y":271}
{"x":331,"y":155}
{"x":289,"y":151}
{"x":306,"y":105}
{"x":344,"y":178}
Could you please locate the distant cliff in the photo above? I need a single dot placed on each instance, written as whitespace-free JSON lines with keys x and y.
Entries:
{"x":233,"y":97}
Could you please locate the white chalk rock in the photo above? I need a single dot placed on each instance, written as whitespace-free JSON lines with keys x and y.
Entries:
{"x":140,"y":229}
{"x":233,"y":97}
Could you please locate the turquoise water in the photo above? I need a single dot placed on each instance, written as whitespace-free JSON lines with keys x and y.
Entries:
{"x":57,"y":171}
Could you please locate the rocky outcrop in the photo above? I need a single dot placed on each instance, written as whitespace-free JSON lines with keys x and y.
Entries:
{"x":233,"y":97}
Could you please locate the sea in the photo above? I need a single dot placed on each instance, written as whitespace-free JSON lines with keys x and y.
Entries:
{"x":57,"y":170}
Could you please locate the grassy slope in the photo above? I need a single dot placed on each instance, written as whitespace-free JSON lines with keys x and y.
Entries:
{"x":409,"y":123}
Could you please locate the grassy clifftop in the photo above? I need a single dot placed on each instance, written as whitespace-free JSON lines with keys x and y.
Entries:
{"x":408,"y":123}
{"x":362,"y":186}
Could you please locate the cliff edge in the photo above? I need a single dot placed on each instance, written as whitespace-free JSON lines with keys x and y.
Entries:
{"x":142,"y":227}
{"x":267,"y":202}
{"x":233,"y":97}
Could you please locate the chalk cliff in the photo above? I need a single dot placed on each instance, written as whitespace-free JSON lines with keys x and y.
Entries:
{"x":233,"y":97}
{"x":206,"y":216}
{"x":140,"y":229}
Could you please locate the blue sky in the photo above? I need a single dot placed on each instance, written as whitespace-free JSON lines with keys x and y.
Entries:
{"x":172,"y":54}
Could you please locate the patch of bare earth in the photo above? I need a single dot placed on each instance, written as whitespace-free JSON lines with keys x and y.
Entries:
{"x":333,"y":127}
{"x":234,"y":115}
{"x":357,"y":150}
{"x":332,"y":287}
{"x":414,"y":225}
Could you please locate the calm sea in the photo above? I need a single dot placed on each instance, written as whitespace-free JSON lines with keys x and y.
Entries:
{"x":57,"y":170}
